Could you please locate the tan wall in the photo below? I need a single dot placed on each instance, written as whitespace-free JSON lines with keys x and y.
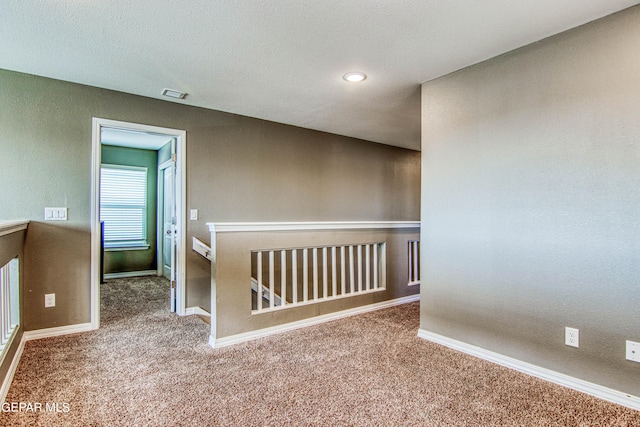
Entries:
{"x":12,"y":246}
{"x":233,"y":278}
{"x":530,"y":202}
{"x":238,"y":169}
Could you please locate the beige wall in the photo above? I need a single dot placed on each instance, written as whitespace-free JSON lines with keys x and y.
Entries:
{"x":530,"y":202}
{"x":233,"y":285}
{"x":238,"y":169}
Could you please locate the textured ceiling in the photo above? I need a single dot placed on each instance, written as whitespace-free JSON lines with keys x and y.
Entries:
{"x":281,"y":60}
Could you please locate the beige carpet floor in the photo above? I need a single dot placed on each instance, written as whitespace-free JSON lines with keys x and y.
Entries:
{"x":145,"y":366}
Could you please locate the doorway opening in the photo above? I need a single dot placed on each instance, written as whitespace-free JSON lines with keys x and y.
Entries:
{"x":138,"y":206}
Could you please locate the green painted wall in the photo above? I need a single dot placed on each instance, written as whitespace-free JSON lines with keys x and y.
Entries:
{"x":164,"y":153}
{"x":138,"y":260}
{"x":530,"y":202}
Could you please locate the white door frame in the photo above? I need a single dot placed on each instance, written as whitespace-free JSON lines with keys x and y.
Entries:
{"x":160,"y":216}
{"x":181,"y":203}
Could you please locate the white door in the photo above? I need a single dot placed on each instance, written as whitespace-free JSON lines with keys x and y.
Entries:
{"x":169,"y":240}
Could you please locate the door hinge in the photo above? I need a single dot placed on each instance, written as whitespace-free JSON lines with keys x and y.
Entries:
{"x":173,"y":157}
{"x":173,"y":284}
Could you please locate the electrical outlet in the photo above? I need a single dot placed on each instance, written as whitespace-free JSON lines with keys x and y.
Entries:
{"x":50,"y":300}
{"x":572,"y":337}
{"x":633,"y":351}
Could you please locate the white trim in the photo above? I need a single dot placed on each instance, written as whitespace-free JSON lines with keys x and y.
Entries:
{"x":196,"y":310}
{"x":413,"y":283}
{"x":309,"y":302}
{"x":121,"y":248}
{"x":57,"y":331}
{"x":181,"y":221}
{"x":130,"y":274}
{"x":160,"y":216}
{"x":165,"y":164}
{"x":8,"y":378}
{"x":226,"y":227}
{"x":96,"y":160}
{"x":592,"y":389}
{"x":260,"y":333}
{"x":125,"y":167}
{"x":201,"y":248}
{"x":181,"y":196}
{"x":8,"y":227}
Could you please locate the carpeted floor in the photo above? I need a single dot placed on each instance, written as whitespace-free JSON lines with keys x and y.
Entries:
{"x":145,"y":366}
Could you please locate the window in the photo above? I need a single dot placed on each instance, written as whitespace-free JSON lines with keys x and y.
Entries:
{"x":123,"y":206}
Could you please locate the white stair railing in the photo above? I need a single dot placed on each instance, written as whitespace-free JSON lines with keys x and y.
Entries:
{"x":414,"y":262}
{"x":298,"y":276}
{"x":9,"y":302}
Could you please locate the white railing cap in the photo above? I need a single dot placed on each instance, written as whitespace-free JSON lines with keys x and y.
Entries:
{"x":8,"y":227}
{"x":222,"y":227}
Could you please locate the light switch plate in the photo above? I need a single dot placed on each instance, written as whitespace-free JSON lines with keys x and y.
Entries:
{"x":193,"y":214}
{"x":55,"y":214}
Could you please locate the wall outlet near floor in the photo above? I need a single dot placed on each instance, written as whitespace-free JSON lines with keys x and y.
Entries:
{"x":633,"y":351}
{"x":49,"y":300}
{"x":572,"y":337}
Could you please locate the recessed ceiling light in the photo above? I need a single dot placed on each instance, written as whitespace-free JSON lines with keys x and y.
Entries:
{"x":354,"y":77}
{"x":174,"y":94}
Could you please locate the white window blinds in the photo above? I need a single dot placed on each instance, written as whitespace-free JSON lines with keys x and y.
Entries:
{"x":123,"y":205}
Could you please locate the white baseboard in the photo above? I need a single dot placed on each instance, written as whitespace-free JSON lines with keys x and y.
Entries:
{"x":196,"y":310}
{"x":260,"y":333}
{"x":54,"y":332}
{"x":8,"y":379}
{"x":592,"y":389}
{"x":130,"y":274}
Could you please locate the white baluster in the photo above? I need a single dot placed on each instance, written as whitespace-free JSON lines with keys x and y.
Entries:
{"x":305,"y":275}
{"x":259,"y":287}
{"x":334,"y":275}
{"x":359,"y":265}
{"x":410,"y":274}
{"x":368,"y":266}
{"x":375,"y":266}
{"x":416,"y":261}
{"x":325,"y":279}
{"x":343,"y":271}
{"x":283,"y":277}
{"x":294,"y":276}
{"x":352,"y":281}
{"x":271,"y":280}
{"x":315,"y":274}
